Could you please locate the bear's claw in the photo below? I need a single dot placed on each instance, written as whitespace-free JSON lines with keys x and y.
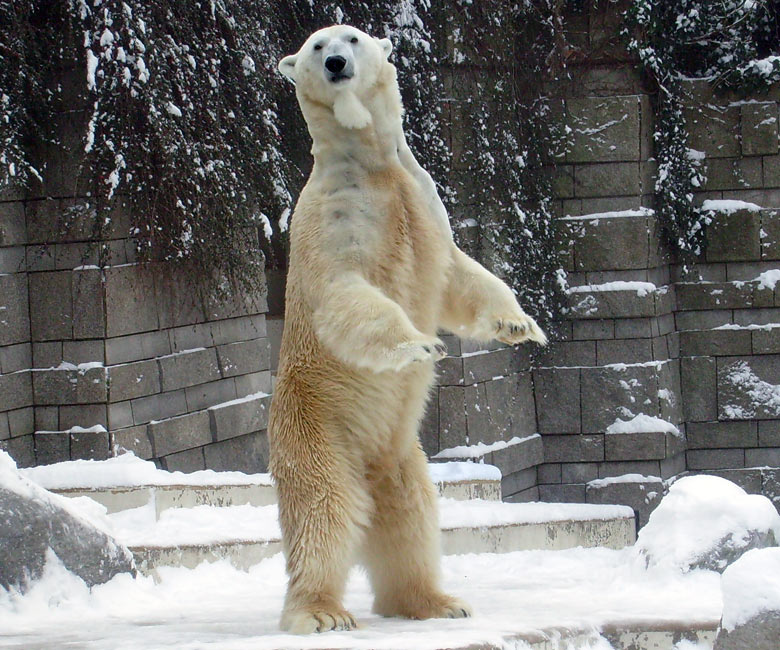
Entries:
{"x":307,"y":621}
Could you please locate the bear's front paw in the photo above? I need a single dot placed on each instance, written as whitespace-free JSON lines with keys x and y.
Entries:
{"x":410,"y":352}
{"x":317,"y":619}
{"x":517,"y":328}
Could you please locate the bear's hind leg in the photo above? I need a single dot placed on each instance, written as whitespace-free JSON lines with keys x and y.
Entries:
{"x":402,"y":549}
{"x":322,"y":517}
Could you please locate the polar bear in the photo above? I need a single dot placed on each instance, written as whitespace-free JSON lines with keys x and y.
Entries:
{"x":373,"y":275}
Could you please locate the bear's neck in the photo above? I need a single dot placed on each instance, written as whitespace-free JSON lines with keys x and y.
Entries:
{"x":374,"y":147}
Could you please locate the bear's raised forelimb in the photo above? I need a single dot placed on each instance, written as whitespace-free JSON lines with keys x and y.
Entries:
{"x":362,"y":327}
{"x":478,"y":305}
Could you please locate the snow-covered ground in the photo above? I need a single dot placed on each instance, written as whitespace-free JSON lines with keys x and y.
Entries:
{"x":217,"y":606}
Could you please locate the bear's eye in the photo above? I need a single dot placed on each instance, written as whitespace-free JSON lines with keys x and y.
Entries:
{"x":318,"y":46}
{"x":354,"y":39}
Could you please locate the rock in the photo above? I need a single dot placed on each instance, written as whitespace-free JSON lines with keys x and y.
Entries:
{"x":32,"y":521}
{"x":751,"y":602}
{"x":707,"y":522}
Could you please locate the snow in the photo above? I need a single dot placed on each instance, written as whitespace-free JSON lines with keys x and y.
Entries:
{"x":762,"y":395}
{"x":641,"y":288}
{"x":481,"y":449}
{"x":128,"y":470}
{"x":241,"y":400}
{"x":768,"y":279}
{"x":465,"y":471}
{"x":642,"y":424}
{"x":728,"y":206}
{"x":218,"y":606}
{"x":696,"y":515}
{"x":623,"y":478}
{"x":641,"y":212}
{"x":750,"y":587}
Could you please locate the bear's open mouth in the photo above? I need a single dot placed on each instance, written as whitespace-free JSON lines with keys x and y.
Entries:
{"x":339,"y":76}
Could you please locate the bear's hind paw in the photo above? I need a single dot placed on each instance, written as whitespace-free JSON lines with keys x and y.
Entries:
{"x":317,"y":619}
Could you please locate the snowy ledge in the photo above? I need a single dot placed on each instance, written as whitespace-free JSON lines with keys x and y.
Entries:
{"x":482,"y":449}
{"x":618,"y":214}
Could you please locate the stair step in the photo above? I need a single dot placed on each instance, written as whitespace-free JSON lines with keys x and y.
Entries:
{"x":731,"y":340}
{"x":619,"y":299}
{"x":186,"y":538}
{"x":454,"y":480}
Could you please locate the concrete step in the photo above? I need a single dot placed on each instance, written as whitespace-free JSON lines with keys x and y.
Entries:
{"x":249,"y":535}
{"x":453,"y":480}
{"x":619,"y":299}
{"x":755,"y":293}
{"x":731,"y":340}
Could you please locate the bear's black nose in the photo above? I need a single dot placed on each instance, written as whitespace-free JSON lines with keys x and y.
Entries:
{"x":335,"y":64}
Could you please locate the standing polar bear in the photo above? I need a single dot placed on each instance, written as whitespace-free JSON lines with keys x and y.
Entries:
{"x":373,"y":274}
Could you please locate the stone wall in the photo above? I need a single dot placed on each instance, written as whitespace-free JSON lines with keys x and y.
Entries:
{"x":96,"y":360}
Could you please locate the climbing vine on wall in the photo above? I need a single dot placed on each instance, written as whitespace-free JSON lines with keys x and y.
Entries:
{"x":732,"y":43}
{"x":189,"y":125}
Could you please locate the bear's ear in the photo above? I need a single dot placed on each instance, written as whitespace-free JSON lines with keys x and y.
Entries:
{"x":386,"y":45}
{"x":287,"y":66}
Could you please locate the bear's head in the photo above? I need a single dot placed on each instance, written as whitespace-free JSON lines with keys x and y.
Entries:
{"x":338,"y":66}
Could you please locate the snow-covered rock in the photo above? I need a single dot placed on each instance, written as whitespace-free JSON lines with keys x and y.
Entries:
{"x":35,"y":523}
{"x":751,"y":602}
{"x":707,"y":522}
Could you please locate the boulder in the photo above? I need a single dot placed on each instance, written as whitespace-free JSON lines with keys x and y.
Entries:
{"x":33,"y":521}
{"x":707,"y":522}
{"x":751,"y":602}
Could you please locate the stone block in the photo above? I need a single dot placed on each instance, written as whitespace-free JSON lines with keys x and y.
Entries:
{"x":147,"y":345}
{"x":12,"y":224}
{"x":763,"y":457}
{"x":82,"y":415}
{"x":752,"y":317}
{"x":21,"y":449}
{"x":624,"y":351}
{"x":550,"y":473}
{"x":604,"y":128}
{"x":714,"y":130}
{"x":579,"y":472}
{"x":429,"y":427}
{"x":242,"y":416}
{"x":615,"y":391}
{"x":627,"y":303}
{"x":130,"y":380}
{"x":52,"y":447}
{"x":562,"y":493}
{"x":247,"y":453}
{"x":15,"y":357}
{"x":135,"y":439}
{"x":573,"y":448}
{"x":526,"y":496}
{"x":203,"y":396}
{"x":21,"y":422}
{"x":699,"y":320}
{"x":766,"y":341}
{"x":89,"y":315}
{"x":188,"y":337}
{"x":750,"y":480}
{"x":769,"y":433}
{"x":189,"y":368}
{"x":602,"y":204}
{"x":770,"y":234}
{"x":709,"y":295}
{"x":642,"y":496}
{"x":254,"y":382}
{"x":15,"y":390}
{"x":647,"y":445}
{"x":747,"y":387}
{"x":67,"y":386}
{"x":12,"y":259}
{"x":607,"y":179}
{"x":189,"y":460}
{"x":238,"y":301}
{"x":715,"y":459}
{"x":53,"y":220}
{"x":79,"y":352}
{"x":721,"y":435}
{"x":634,"y":328}
{"x":759,"y":128}
{"x":158,"y":407}
{"x":51,"y":306}
{"x":613,"y":468}
{"x":561,"y":354}
{"x":47,"y":418}
{"x":130,"y":300}
{"x":594,"y":330}
{"x":699,"y":388}
{"x":715,"y":343}
{"x":563,"y":181}
{"x":179,"y":302}
{"x":179,"y":433}
{"x":557,"y":395}
{"x":120,"y":415}
{"x":244,"y":357}
{"x":734,"y":237}
{"x":89,"y":445}
{"x":733,"y":174}
{"x":518,"y":482}
{"x":449,"y":371}
{"x":245,"y":328}
{"x":14,"y":310}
